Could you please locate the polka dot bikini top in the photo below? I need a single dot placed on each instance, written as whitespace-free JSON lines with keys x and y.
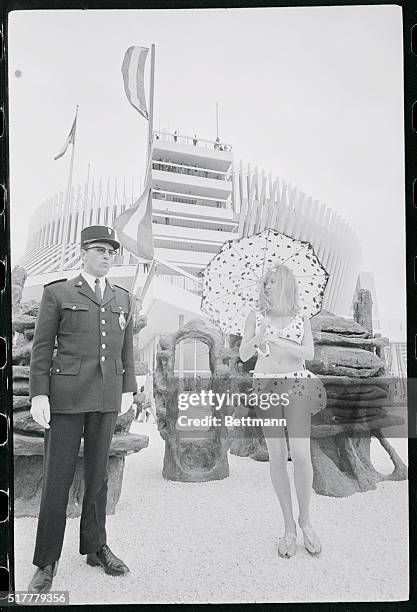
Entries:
{"x":293,"y":331}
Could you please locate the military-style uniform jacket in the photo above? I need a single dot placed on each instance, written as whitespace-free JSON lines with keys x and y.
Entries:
{"x":93,"y":364}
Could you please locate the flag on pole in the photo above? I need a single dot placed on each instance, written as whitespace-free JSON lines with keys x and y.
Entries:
{"x":70,"y":139}
{"x":133,"y":71}
{"x":134,"y":226}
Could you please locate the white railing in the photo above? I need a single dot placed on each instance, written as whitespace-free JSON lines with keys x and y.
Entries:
{"x":194,"y":286}
{"x":94,"y":203}
{"x":192,"y":140}
{"x":168,"y":166}
{"x":186,"y":198}
{"x":161,"y":218}
{"x":178,"y":278}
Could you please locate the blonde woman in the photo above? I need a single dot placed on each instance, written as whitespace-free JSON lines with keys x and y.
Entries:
{"x":281,"y":336}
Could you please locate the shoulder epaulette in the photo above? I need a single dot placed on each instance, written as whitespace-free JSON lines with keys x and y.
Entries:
{"x":59,"y":280}
{"x":120,"y":287}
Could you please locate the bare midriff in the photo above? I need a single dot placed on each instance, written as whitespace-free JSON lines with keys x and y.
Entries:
{"x":279,"y":361}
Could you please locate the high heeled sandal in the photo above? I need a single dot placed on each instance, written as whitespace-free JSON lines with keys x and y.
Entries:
{"x":287,"y":545}
{"x":311,"y":540}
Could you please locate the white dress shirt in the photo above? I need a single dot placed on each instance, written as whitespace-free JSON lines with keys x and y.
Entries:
{"x":91,"y":280}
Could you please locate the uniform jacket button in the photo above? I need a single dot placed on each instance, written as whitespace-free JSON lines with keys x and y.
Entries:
{"x":103,"y":310}
{"x":103,"y":321}
{"x":103,"y":358}
{"x":57,"y":369}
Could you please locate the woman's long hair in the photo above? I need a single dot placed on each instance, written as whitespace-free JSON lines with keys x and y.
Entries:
{"x":287,"y":303}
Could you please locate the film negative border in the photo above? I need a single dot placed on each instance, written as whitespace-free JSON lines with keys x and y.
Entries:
{"x":6,"y":454}
{"x":410,"y":139}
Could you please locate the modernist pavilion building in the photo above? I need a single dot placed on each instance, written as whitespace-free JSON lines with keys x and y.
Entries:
{"x":200,"y":198}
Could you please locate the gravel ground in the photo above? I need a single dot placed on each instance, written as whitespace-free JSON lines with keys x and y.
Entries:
{"x":217,"y":541}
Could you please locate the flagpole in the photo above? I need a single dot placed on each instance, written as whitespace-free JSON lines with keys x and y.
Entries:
{"x":67,"y":202}
{"x":150,"y":140}
{"x":133,"y":71}
{"x":151,"y":95}
{"x":151,"y":112}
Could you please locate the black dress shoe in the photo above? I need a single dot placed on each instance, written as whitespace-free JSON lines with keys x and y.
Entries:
{"x":42,"y":578}
{"x":112,"y":565}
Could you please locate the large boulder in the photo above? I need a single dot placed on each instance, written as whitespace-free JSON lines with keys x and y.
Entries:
{"x":21,"y":323}
{"x":189,"y":456}
{"x":344,"y":361}
{"x":28,"y":473}
{"x":328,"y":322}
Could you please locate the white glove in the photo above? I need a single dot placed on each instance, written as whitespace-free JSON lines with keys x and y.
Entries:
{"x":40,"y":410}
{"x":127,"y":401}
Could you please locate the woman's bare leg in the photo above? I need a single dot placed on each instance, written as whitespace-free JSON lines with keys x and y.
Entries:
{"x":278,"y":457}
{"x":298,"y":419}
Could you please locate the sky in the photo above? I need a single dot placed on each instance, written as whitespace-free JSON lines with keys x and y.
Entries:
{"x":314,"y":95}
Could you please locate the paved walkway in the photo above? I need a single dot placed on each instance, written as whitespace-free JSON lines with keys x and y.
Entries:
{"x":217,"y":541}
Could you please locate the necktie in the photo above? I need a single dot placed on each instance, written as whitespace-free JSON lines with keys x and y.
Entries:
{"x":98,"y":290}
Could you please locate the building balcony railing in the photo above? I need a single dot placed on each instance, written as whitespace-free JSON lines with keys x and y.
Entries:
{"x":173,"y":275}
{"x":162,"y":218}
{"x":187,"y":236}
{"x":217,"y":145}
{"x":194,"y":261}
{"x":183,"y":282}
{"x":194,"y":185}
{"x":168,"y":166}
{"x":174,"y":196}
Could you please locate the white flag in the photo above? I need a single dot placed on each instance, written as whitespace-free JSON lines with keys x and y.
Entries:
{"x":133,"y":71}
{"x":134,"y":225}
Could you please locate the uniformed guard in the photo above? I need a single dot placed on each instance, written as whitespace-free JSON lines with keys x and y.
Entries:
{"x":78,"y":392}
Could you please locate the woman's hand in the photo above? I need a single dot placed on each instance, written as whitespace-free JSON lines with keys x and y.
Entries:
{"x":305,"y":350}
{"x":252,"y":337}
{"x":261,"y":330}
{"x":241,"y":411}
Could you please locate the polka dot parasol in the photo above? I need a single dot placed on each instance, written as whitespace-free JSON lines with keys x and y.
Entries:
{"x":231,"y":279}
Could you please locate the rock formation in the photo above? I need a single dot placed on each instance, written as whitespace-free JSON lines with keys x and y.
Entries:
{"x":362,"y":309}
{"x":199,"y":455}
{"x":361,"y":402}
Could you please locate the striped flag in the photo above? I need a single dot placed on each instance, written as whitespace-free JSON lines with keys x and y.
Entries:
{"x":134,"y":226}
{"x":133,"y":71}
{"x":70,"y":139}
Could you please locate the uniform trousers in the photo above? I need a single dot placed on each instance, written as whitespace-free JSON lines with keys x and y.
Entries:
{"x":62,"y":443}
